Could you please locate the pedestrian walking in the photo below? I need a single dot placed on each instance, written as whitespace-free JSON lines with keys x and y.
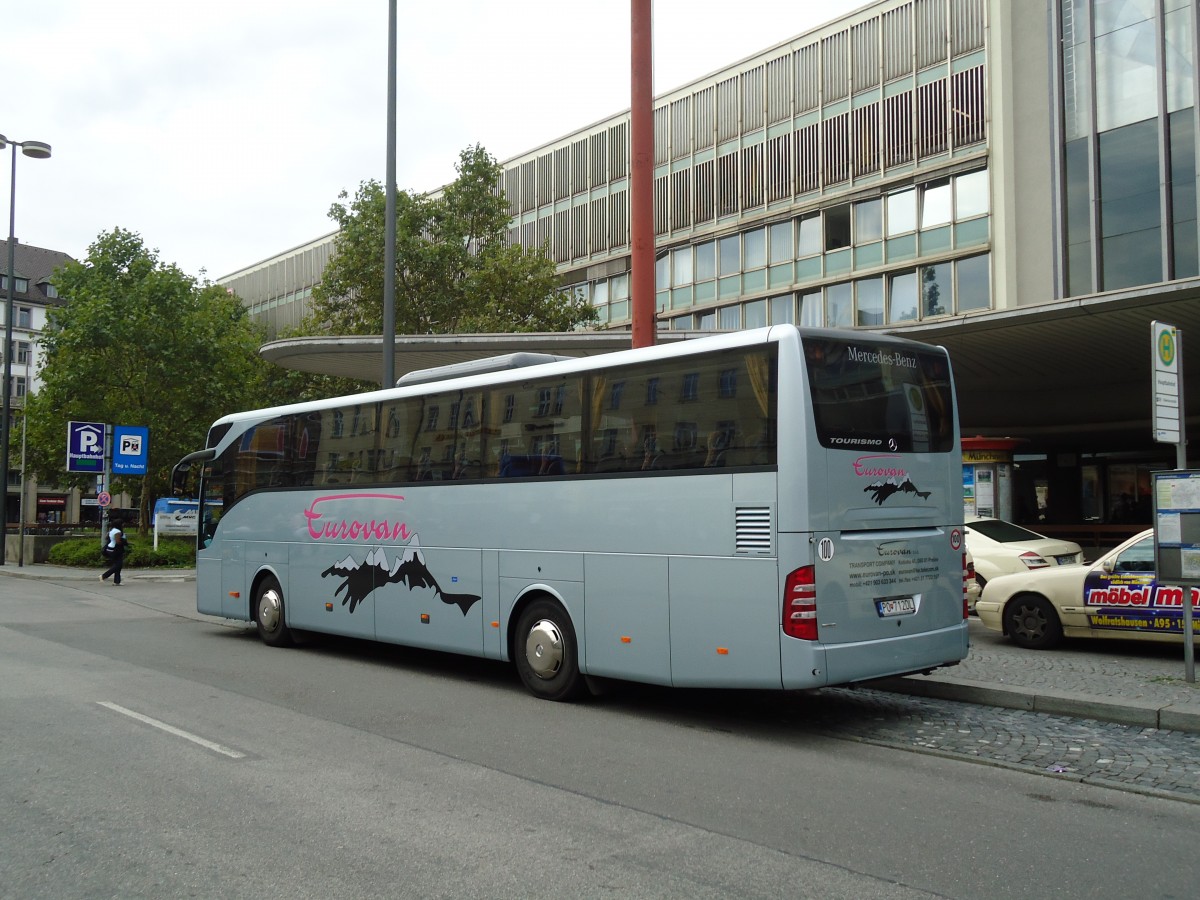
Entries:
{"x":114,"y":551}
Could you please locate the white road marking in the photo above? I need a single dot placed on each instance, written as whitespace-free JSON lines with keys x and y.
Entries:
{"x":171,"y":729}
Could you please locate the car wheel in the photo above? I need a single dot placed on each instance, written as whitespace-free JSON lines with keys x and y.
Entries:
{"x":1032,"y":623}
{"x":545,"y":652}
{"x":269,"y":615}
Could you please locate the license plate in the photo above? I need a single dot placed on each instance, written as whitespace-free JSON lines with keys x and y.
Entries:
{"x":1065,"y":560}
{"x":896,"y":606}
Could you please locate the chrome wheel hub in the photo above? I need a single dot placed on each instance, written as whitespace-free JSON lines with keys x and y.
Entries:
{"x":544,"y":649}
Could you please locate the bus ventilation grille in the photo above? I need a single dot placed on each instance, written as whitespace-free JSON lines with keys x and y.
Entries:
{"x":752,"y":526}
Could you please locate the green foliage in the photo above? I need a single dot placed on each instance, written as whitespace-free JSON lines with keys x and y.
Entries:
{"x":139,"y":342}
{"x":172,"y":553}
{"x":455,"y":273}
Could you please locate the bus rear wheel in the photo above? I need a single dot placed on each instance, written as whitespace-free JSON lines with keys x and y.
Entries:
{"x":546,"y":653}
{"x":269,"y":615}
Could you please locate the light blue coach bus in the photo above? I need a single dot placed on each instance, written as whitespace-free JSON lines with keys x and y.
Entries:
{"x":775,"y":508}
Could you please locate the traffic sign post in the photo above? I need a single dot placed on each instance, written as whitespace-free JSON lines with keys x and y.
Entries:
{"x":1167,"y":361}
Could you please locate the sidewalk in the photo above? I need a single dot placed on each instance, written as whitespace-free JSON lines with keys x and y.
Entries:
{"x":1124,"y":682}
{"x":43,"y":571}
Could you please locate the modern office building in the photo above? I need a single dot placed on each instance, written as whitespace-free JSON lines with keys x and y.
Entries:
{"x":1014,"y":179}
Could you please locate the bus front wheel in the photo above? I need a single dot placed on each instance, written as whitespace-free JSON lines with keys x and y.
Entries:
{"x":546,"y":653}
{"x":269,"y":615}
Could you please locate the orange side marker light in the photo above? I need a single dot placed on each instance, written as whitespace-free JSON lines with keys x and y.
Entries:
{"x":722,"y":651}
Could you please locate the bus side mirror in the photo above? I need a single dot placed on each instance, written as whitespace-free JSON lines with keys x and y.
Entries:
{"x":179,"y":478}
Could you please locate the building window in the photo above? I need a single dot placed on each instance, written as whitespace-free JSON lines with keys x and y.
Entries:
{"x":727,"y":384}
{"x":614,"y":395}
{"x":902,"y":212}
{"x":972,"y":283}
{"x":681,"y":267}
{"x":869,"y":302}
{"x":935,"y":203}
{"x":839,"y":305}
{"x":754,"y":314}
{"x":971,"y":195}
{"x":902,"y":297}
{"x":1130,"y":230}
{"x":868,"y":221}
{"x":936,"y":297}
{"x":812,"y":313}
{"x":837,"y":227}
{"x":810,"y":236}
{"x":705,"y":267}
{"x":783,"y":310}
{"x":755,"y":249}
{"x":782,"y":249}
{"x":731,"y":254}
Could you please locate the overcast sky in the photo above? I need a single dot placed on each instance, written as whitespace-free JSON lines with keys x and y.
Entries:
{"x":223,"y":130}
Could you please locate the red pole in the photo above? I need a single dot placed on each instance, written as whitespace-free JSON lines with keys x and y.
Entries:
{"x":641,"y":203}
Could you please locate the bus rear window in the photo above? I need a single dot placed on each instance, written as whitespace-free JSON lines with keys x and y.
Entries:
{"x":875,"y":395}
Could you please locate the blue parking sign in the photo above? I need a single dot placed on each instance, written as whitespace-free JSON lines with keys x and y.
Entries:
{"x":131,"y":449}
{"x":85,"y":447}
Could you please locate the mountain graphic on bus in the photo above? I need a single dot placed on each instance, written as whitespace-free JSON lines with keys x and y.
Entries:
{"x":881,"y":491}
{"x":408,"y":568}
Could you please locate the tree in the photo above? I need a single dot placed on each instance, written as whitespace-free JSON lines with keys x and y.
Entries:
{"x":455,"y":271}
{"x":139,"y":343}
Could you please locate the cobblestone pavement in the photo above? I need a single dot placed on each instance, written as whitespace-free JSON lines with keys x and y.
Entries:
{"x":1129,"y":757}
{"x":1125,"y":671}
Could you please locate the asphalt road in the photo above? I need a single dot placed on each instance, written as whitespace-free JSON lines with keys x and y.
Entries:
{"x":148,"y":751}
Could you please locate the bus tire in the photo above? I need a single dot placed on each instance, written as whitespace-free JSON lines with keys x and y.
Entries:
{"x":1032,"y":623}
{"x":546,"y":653}
{"x":269,"y":615}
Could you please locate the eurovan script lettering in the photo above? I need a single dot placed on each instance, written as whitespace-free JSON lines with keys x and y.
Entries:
{"x":346,"y":529}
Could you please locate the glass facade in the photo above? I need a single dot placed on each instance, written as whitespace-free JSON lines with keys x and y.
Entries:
{"x":1128,"y":171}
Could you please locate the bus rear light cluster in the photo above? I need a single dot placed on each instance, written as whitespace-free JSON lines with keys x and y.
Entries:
{"x":800,"y":604}
{"x":968,"y":577}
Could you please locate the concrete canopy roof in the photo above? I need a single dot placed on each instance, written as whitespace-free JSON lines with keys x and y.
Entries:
{"x":1071,"y":375}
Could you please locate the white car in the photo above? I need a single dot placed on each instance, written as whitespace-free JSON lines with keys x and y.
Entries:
{"x":1118,"y":596}
{"x":1002,"y":548}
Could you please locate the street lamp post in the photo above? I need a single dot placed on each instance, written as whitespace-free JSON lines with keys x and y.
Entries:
{"x":35,"y":150}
